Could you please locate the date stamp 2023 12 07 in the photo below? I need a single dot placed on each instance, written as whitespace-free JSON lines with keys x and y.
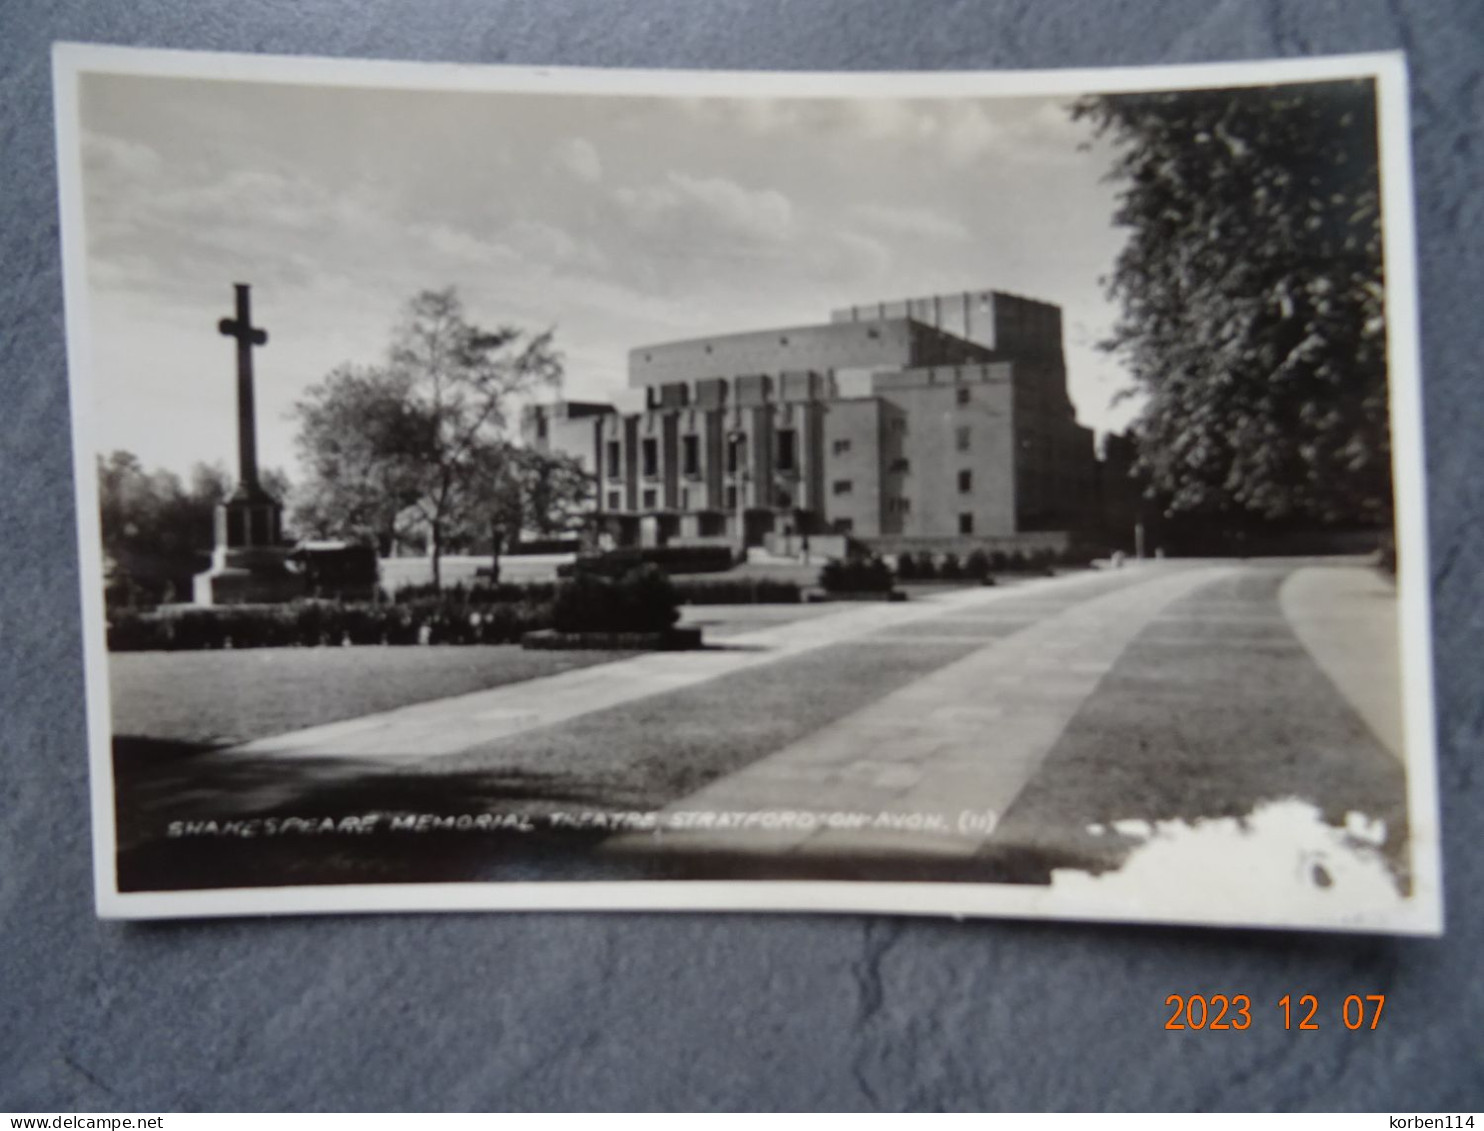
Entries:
{"x":1302,"y":1012}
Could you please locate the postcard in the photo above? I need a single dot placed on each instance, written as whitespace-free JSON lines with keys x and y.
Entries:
{"x":992,"y":494}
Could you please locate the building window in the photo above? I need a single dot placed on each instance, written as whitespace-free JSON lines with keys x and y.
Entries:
{"x":783,"y":500}
{"x":615,"y":459}
{"x":965,"y":482}
{"x":843,"y":486}
{"x":788,"y":454}
{"x":963,"y":438}
{"x":899,"y":505}
{"x":963,"y":394}
{"x":736,"y":453}
{"x":966,"y":524}
{"x":685,"y":498}
{"x":841,"y":447}
{"x":844,"y":525}
{"x":615,"y":501}
{"x":731,"y":497}
{"x":899,"y":425}
{"x":651,"y":452}
{"x":651,"y":499}
{"x":691,"y":455}
{"x":901,"y":466}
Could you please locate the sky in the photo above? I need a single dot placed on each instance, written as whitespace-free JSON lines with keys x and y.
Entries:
{"x":618,"y":220}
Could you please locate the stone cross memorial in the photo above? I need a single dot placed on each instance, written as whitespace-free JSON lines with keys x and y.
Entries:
{"x":251,"y":516}
{"x":249,"y":562}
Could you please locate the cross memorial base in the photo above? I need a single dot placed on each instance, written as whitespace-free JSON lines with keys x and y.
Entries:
{"x":248,"y":565}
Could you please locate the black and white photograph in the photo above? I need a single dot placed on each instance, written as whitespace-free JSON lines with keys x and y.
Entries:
{"x":968,"y":494}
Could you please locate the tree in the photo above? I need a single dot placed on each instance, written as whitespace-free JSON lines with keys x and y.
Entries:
{"x":541,"y":493}
{"x":1252,"y":302}
{"x":156,"y":530}
{"x":408,"y":447}
{"x":357,"y":434}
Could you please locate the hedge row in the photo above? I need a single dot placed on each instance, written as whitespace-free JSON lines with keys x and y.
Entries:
{"x":927,"y":566}
{"x":691,"y":591}
{"x":312,"y":624}
{"x":924,"y":567}
{"x":644,"y":600}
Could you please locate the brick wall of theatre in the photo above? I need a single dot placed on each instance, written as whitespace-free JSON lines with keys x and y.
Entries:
{"x":953,"y":473}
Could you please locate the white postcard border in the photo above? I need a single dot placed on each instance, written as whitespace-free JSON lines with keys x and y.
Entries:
{"x":1420,"y":914}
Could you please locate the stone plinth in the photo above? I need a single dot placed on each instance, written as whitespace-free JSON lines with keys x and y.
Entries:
{"x":256,"y":576}
{"x":248,"y":565}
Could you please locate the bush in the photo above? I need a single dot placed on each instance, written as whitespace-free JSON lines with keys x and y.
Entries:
{"x":738,"y":591}
{"x":906,"y":566}
{"x":856,"y":575}
{"x":976,"y":565}
{"x":643,"y":600}
{"x":951,"y":570}
{"x":927,"y":566}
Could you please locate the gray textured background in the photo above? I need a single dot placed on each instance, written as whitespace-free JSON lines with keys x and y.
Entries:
{"x":686,"y":1010}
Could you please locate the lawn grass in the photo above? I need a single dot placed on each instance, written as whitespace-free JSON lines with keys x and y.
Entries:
{"x":652,"y":751}
{"x":638,"y":756}
{"x":1206,"y":717}
{"x":221,"y":698}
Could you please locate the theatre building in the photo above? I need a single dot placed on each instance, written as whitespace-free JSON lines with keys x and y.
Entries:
{"x":934,"y":423}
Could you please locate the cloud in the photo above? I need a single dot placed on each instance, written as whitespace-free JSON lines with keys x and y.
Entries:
{"x":462,"y":246}
{"x":968,"y":131}
{"x":552,"y":245}
{"x":580,"y":157}
{"x":688,"y":205}
{"x":118,"y":159}
{"x":907,"y":220}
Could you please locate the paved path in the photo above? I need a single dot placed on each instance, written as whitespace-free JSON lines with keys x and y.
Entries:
{"x":446,"y":726}
{"x":1346,"y":617}
{"x":957,"y":745}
